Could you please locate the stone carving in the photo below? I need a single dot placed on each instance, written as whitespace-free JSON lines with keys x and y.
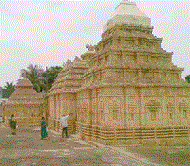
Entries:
{"x":26,"y":104}
{"x":125,"y":89}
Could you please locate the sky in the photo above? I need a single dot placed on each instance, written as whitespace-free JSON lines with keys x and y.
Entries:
{"x":48,"y":33}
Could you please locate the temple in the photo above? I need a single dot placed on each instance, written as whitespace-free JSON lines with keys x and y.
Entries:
{"x":125,"y":89}
{"x":26,"y":104}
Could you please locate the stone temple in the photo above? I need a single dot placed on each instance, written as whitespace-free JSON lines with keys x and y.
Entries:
{"x":125,"y":89}
{"x":26,"y":104}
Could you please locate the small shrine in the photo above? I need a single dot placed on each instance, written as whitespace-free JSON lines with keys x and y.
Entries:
{"x":26,"y":104}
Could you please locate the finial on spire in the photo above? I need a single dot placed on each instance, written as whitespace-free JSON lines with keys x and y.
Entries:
{"x":90,"y":47}
{"x":77,"y":59}
{"x":129,"y":2}
{"x":68,"y":61}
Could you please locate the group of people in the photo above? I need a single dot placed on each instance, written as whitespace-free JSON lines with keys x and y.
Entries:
{"x":44,"y":133}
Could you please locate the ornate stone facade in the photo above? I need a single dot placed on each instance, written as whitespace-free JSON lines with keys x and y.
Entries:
{"x":62,"y":96}
{"x":125,"y":89}
{"x":26,"y":104}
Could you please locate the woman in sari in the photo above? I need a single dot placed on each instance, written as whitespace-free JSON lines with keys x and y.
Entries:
{"x":44,"y":133}
{"x":12,"y":124}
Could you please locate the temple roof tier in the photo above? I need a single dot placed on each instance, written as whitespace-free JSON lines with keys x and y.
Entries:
{"x":70,"y":78}
{"x":25,"y":93}
{"x":24,"y":82}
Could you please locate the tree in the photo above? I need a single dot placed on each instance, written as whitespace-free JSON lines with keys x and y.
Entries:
{"x":50,"y":75}
{"x":42,"y":80}
{"x":187,"y":78}
{"x":9,"y":86}
{"x":34,"y":74}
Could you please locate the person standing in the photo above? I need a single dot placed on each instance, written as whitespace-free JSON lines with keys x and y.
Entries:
{"x":44,"y":133}
{"x":12,"y":124}
{"x":64,"y":125}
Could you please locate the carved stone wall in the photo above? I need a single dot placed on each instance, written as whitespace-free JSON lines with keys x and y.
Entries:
{"x":62,"y":104}
{"x":127,"y":90}
{"x":26,"y":104}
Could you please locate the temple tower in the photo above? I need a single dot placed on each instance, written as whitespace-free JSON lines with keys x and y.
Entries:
{"x":26,"y":104}
{"x":125,"y":89}
{"x":132,"y":91}
{"x":62,"y":95}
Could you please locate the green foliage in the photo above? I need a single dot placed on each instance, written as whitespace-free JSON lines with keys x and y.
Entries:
{"x":9,"y":86}
{"x":187,"y":78}
{"x":42,"y":80}
{"x":50,"y":75}
{"x":33,"y":73}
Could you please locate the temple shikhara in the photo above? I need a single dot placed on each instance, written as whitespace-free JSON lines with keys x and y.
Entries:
{"x":26,"y":104}
{"x":124,"y":90}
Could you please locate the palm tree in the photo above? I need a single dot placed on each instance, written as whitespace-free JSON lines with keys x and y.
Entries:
{"x":42,"y":80}
{"x":34,"y":74}
{"x":9,"y":86}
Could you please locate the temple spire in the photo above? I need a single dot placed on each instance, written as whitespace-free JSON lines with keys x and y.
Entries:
{"x":127,"y":2}
{"x":126,"y":7}
{"x":128,"y":13}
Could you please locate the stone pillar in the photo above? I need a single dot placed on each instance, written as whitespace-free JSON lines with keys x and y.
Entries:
{"x":58,"y":112}
{"x":124,"y":102}
{"x":174,"y":116}
{"x":140,"y":109}
{"x":90,"y":113}
{"x":54,"y":112}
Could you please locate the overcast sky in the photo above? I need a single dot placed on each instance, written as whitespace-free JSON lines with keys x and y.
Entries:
{"x":47,"y":33}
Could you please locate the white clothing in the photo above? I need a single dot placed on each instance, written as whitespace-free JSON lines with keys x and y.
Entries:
{"x":64,"y":121}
